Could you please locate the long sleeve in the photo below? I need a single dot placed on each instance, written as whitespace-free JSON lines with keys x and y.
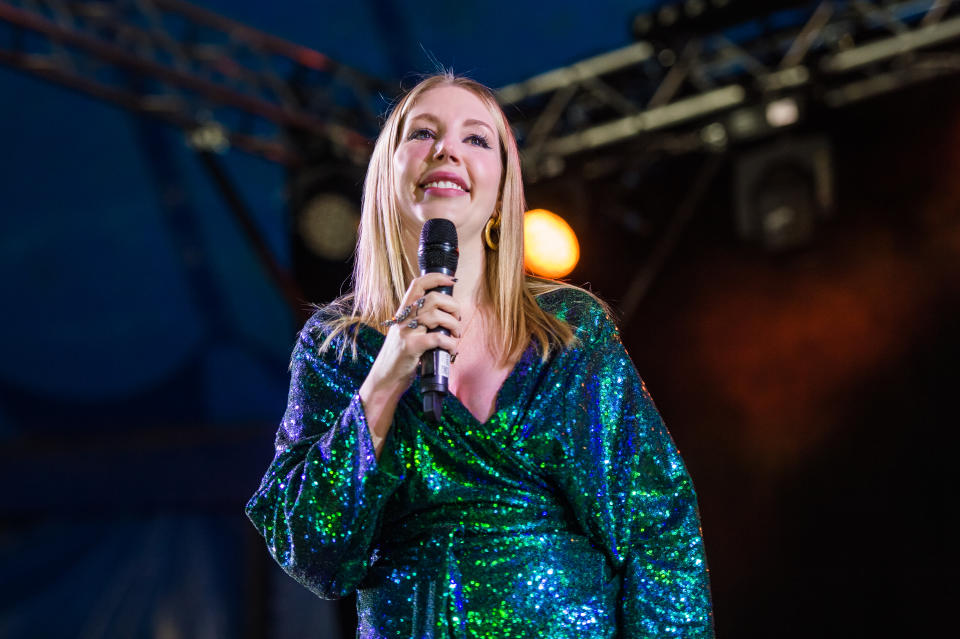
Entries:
{"x":630,"y":491}
{"x":318,"y":506}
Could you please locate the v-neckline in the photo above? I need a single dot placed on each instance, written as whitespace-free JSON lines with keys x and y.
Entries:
{"x":500,"y":398}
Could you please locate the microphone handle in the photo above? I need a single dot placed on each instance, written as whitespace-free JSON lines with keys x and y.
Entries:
{"x":435,"y":364}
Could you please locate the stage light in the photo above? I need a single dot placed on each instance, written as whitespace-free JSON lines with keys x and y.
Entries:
{"x":642,"y":24}
{"x":667,"y":15}
{"x":550,"y":246}
{"x":693,"y":8}
{"x":746,"y":123}
{"x":328,"y":225}
{"x":783,"y":191}
{"x":759,"y":120}
{"x":667,"y":57}
{"x":714,"y":136}
{"x":783,"y":112}
{"x":210,"y":136}
{"x":324,"y":207}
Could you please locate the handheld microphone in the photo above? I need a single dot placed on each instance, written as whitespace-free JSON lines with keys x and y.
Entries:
{"x":438,"y":253}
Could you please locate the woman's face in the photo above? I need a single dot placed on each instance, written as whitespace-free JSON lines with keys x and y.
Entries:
{"x":447,"y":163}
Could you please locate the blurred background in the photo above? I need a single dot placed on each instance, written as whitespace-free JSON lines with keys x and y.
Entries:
{"x":768,"y":193}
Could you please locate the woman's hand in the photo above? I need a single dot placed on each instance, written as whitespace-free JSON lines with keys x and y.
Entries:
{"x":407,"y":340}
{"x":396,"y":364}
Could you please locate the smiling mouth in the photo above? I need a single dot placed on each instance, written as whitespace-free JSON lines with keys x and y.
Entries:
{"x":443,"y":184}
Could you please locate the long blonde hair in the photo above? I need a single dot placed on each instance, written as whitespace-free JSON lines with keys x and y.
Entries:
{"x":381,"y":265}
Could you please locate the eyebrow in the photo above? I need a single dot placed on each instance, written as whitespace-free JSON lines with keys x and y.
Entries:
{"x":470,"y":122}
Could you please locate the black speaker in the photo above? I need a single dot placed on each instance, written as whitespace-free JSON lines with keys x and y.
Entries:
{"x":324,"y":212}
{"x":782,"y":190}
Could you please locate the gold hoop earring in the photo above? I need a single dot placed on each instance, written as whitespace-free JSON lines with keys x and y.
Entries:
{"x":492,"y":223}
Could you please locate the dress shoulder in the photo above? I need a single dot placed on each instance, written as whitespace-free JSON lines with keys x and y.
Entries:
{"x":350,"y":342}
{"x":321,"y":323}
{"x":590,"y":318}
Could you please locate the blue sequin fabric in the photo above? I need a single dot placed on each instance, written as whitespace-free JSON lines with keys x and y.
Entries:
{"x":568,"y":514}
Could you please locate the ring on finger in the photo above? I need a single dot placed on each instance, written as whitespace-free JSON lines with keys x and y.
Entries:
{"x":413,"y":324}
{"x":419,"y":305}
{"x":399,"y":317}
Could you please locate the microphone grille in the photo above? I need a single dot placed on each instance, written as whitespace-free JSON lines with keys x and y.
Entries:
{"x":438,"y":245}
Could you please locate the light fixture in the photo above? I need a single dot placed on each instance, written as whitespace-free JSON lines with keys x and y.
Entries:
{"x":550,"y":246}
{"x":783,"y":191}
{"x":324,"y":207}
{"x":782,"y":112}
{"x":328,"y":225}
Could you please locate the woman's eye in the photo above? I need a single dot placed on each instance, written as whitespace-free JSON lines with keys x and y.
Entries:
{"x":421,"y":134}
{"x":479,"y":140}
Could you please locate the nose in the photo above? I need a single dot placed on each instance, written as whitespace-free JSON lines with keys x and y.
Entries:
{"x":445,"y":149}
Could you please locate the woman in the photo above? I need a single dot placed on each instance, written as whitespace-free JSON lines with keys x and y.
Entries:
{"x":549,"y":501}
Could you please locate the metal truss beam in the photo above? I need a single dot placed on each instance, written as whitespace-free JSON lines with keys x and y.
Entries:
{"x":225,"y":83}
{"x":229,"y":85}
{"x":834,"y":52}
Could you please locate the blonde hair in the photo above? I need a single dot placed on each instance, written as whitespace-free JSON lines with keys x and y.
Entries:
{"x":381,"y":266}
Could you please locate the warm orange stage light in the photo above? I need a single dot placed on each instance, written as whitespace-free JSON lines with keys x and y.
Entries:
{"x":550,"y":246}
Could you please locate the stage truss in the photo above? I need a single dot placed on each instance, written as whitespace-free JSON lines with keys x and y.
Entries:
{"x":688,"y":92}
{"x":224,"y":83}
{"x":229,"y":85}
{"x":675,"y":91}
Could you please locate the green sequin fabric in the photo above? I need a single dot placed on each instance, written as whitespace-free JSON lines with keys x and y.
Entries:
{"x":568,"y":514}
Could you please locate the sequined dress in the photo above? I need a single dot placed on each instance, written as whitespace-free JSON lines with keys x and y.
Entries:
{"x":568,"y":514}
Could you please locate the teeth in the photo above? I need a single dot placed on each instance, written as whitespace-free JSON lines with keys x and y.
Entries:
{"x":443,"y":184}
